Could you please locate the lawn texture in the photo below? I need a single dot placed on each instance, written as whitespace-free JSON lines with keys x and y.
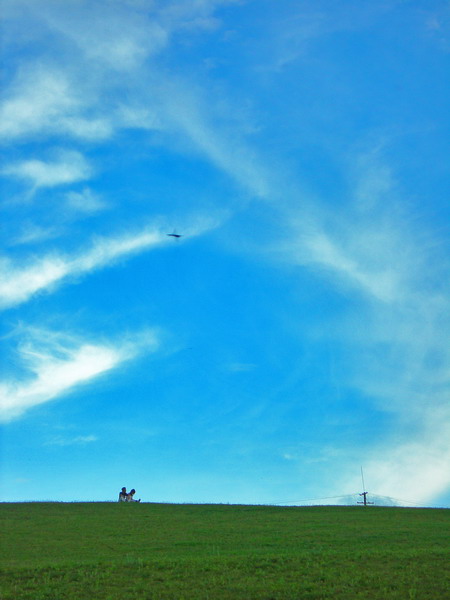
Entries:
{"x":146,"y":551}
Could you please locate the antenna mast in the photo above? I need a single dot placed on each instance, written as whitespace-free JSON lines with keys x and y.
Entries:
{"x":364,"y":493}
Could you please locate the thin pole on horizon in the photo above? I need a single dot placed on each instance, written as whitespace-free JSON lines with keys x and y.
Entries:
{"x":364,"y":493}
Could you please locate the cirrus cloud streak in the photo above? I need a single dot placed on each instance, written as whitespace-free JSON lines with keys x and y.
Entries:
{"x":56,"y":363}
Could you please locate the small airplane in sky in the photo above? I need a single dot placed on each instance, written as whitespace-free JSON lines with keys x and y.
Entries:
{"x":175,"y":235}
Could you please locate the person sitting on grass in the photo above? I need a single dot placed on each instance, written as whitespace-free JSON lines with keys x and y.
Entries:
{"x":123,"y":496}
{"x":130,"y":496}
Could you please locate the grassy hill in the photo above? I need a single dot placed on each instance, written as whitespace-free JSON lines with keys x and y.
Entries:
{"x":107,"y":551}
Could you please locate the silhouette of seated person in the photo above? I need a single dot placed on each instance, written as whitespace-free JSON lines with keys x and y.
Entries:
{"x":130,"y":496}
{"x":123,"y":496}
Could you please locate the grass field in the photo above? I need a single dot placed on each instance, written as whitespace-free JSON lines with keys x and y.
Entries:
{"x":109,"y":551}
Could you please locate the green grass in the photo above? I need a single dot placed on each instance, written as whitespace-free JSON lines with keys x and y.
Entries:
{"x":109,"y":551}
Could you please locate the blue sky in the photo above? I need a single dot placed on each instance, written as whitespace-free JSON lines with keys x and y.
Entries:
{"x":298,"y":331}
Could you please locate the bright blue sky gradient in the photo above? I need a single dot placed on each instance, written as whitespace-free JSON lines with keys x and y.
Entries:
{"x":300,"y":327}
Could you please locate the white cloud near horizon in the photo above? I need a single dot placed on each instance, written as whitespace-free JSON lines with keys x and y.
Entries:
{"x":414,"y":470}
{"x":57,"y":363}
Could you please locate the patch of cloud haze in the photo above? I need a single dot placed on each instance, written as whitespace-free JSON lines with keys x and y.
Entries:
{"x":57,"y":363}
{"x":239,"y":367}
{"x":69,"y":167}
{"x":85,"y":201}
{"x":328,"y":253}
{"x":373,"y":179}
{"x":411,"y":471}
{"x":31,"y":233}
{"x":297,"y":25}
{"x":77,"y":440}
{"x":188,"y":112}
{"x":106,"y":39}
{"x":368,"y":244}
{"x":43,"y":99}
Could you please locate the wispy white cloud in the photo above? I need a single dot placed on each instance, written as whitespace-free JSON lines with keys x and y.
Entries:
{"x":30,"y":233}
{"x":117,"y":47}
{"x":77,"y":95}
{"x":43,"y":99}
{"x":378,"y":281}
{"x":46,"y":100}
{"x":296,"y":26}
{"x":57,"y":363}
{"x":215,"y":135}
{"x":69,"y":167}
{"x":19,"y":282}
{"x":72,"y":441}
{"x":85,"y":201}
